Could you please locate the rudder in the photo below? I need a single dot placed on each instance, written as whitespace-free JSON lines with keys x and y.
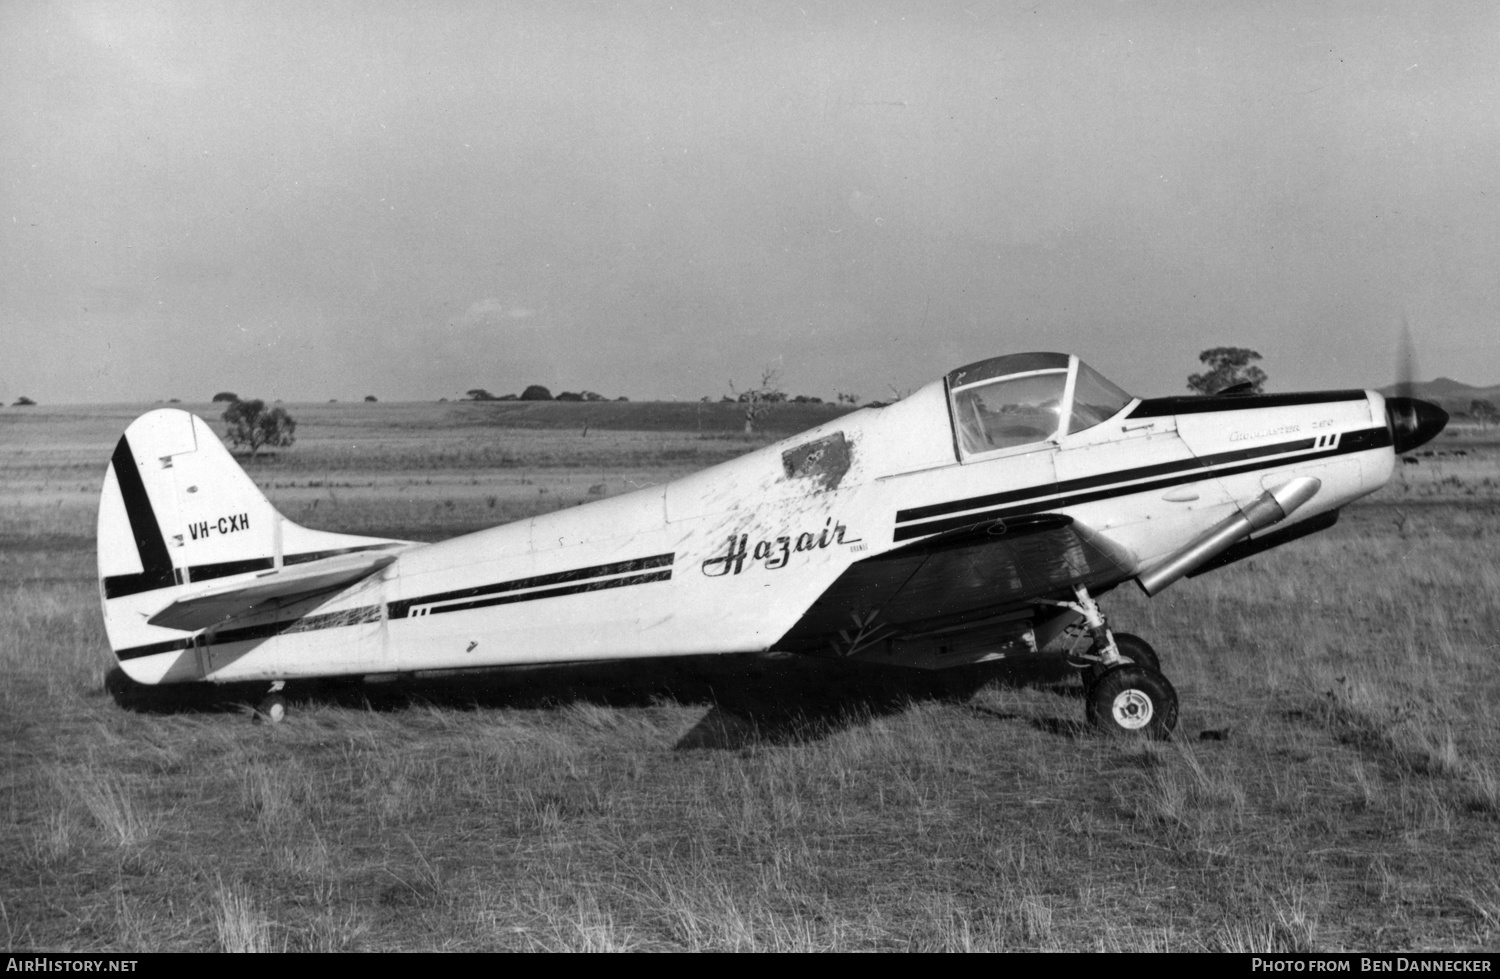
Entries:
{"x":177,"y":510}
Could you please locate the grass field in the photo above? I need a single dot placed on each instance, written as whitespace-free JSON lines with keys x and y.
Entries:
{"x":1334,"y":782}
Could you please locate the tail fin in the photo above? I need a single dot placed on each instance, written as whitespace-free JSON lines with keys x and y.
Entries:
{"x":177,"y":511}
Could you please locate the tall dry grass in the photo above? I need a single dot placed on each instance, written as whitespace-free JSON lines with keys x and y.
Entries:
{"x":1348,"y":798}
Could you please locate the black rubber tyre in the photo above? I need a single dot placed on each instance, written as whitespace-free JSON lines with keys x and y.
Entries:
{"x":1138,"y":651}
{"x":1133,"y":648}
{"x":1131,"y":701}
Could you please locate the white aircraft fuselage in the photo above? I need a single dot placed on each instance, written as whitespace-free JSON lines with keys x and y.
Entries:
{"x":925,"y":532}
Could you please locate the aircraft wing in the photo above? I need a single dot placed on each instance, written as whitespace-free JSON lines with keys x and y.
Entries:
{"x":967,"y":573}
{"x":273,"y":588}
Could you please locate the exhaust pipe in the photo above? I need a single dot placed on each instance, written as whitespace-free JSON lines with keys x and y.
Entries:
{"x":1272,"y":506}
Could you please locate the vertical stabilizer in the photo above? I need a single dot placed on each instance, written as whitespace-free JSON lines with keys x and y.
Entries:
{"x":177,"y":512}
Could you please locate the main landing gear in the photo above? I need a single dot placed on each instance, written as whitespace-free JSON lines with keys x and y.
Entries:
{"x":1125,"y":693}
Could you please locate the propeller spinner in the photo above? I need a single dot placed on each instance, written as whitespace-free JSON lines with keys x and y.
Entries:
{"x":1413,"y":422}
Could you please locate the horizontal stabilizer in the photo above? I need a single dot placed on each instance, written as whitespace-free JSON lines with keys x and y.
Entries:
{"x":273,"y":588}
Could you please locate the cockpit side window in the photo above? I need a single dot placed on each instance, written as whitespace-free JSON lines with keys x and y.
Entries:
{"x":1009,"y":412}
{"x":1095,"y":399}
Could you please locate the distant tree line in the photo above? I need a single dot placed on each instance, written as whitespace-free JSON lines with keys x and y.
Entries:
{"x":537,"y":392}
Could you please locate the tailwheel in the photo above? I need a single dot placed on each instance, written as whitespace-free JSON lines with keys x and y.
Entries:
{"x":1132,"y":701}
{"x":272,"y":710}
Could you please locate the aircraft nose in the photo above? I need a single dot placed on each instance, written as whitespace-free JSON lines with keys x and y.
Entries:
{"x":1413,"y":422}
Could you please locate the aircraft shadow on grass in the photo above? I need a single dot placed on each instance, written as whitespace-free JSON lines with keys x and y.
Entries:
{"x":750,"y":699}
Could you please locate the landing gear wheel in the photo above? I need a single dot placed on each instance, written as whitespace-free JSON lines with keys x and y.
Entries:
{"x":1138,"y":651}
{"x":272,"y":710}
{"x":1133,"y":648}
{"x":1131,"y":701}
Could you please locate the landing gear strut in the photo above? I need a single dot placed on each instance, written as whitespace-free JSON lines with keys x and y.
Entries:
{"x":1133,"y":649}
{"x":1125,"y":693}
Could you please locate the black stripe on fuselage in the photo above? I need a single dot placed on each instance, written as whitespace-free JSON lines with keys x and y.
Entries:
{"x":1104,"y":479}
{"x":502,"y":593}
{"x":587,"y":586}
{"x":223,"y":569}
{"x":1197,"y":404}
{"x":156,"y":563}
{"x":402,"y":608}
{"x":1371,"y":438}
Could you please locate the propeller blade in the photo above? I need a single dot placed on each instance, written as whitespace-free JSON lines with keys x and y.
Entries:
{"x":1412,"y":422}
{"x":1406,"y":362}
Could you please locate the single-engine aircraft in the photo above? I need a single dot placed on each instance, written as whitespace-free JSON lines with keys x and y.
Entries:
{"x":979,"y":518}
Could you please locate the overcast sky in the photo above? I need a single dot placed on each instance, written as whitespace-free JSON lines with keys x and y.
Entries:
{"x":325,"y":200}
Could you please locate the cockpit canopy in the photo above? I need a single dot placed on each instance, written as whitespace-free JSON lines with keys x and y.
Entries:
{"x":1021,"y":399}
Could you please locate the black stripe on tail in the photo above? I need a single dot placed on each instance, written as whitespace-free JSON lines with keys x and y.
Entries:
{"x":156,"y":563}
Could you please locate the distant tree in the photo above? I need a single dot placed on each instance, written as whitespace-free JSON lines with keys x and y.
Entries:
{"x":804,"y":399}
{"x":848,"y":399}
{"x":1227,"y":367}
{"x":228,"y":396}
{"x":371,"y":397}
{"x":569,"y":396}
{"x":536,"y":393}
{"x":593,"y":396}
{"x":479,"y":394}
{"x":758,"y":400}
{"x":174,"y":401}
{"x":251,"y":425}
{"x":1482,"y":410}
{"x":24,"y":402}
{"x":508,"y":397}
{"x":622,"y":398}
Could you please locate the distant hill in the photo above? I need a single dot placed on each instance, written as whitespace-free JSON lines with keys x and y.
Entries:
{"x":641,"y":416}
{"x":1450,"y":395}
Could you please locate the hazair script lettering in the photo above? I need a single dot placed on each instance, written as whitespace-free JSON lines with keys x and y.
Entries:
{"x":775,"y":552}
